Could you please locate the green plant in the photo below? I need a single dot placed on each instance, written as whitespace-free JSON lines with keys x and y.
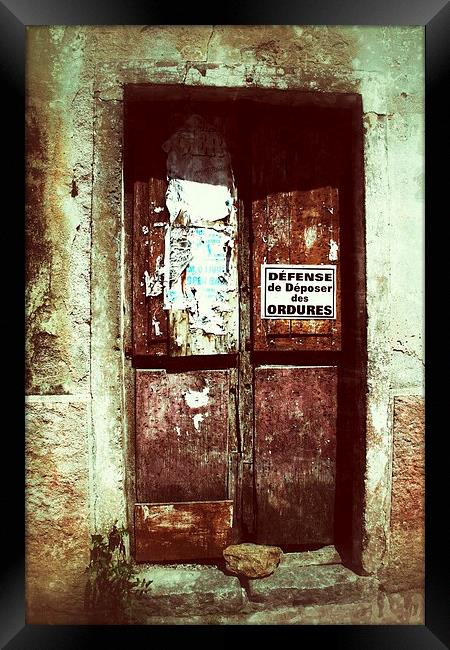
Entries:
{"x":112,"y":586}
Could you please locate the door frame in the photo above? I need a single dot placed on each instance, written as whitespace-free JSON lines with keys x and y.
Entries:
{"x":352,"y":358}
{"x":112,"y":429}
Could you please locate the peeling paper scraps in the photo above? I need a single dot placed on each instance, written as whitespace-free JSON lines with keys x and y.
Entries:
{"x":207,"y":281}
{"x":197,"y":152}
{"x":333,"y":254}
{"x":180,"y":252}
{"x":196,"y":398}
{"x":156,"y":326}
{"x":198,"y":203}
{"x":154,"y":283}
{"x":198,"y":418}
{"x":200,"y":276}
{"x":210,"y":281}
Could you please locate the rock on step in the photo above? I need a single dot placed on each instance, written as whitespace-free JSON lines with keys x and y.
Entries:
{"x":252,"y":560}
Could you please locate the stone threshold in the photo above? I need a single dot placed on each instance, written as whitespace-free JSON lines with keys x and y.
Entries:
{"x":315,"y":578}
{"x":403,"y":608}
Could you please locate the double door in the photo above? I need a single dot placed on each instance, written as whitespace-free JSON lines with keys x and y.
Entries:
{"x":236,"y":411}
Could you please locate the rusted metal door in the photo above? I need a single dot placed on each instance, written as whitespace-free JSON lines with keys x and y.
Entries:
{"x":235,"y":425}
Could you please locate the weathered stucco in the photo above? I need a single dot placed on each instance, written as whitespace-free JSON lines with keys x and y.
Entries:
{"x":57,"y":502}
{"x":405,"y":566}
{"x":77,"y":268}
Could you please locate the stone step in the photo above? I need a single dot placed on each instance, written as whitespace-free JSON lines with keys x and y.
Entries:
{"x":185,"y":589}
{"x":324,"y":555}
{"x":305,"y":585}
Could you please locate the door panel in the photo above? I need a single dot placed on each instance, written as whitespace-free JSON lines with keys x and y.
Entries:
{"x":186,"y":469}
{"x":185,"y":276}
{"x":184,"y":436}
{"x":150,"y":218}
{"x":295,"y":452}
{"x":182,"y":531}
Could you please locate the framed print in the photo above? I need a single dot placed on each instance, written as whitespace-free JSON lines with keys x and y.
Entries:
{"x":225,"y":323}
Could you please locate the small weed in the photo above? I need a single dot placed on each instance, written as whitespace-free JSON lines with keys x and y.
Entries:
{"x":112,"y":587}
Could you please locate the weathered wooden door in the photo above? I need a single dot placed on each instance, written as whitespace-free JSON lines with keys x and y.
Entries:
{"x":235,"y":420}
{"x":295,"y":394}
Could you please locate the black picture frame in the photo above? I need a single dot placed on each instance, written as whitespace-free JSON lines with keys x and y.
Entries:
{"x":15,"y":16}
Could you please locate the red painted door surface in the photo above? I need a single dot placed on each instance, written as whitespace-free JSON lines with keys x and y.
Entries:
{"x":232,"y":442}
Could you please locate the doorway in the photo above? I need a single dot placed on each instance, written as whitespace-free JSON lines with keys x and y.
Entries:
{"x":247,"y":428}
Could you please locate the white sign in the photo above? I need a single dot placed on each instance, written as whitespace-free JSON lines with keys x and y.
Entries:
{"x":298,"y":291}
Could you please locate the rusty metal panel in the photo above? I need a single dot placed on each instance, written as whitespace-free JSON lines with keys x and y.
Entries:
{"x":314,"y":239}
{"x":182,"y":531}
{"x":295,"y":454}
{"x":296,"y":228}
{"x":277,"y":238}
{"x":183,"y":435}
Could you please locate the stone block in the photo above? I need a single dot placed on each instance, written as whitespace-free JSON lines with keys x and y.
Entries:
{"x":252,"y":560}
{"x":311,"y":585}
{"x":186,"y":589}
{"x":402,"y":608}
{"x":57,"y":510}
{"x":408,"y":473}
{"x":57,"y":227}
{"x":325,"y":555}
{"x":404,"y":568}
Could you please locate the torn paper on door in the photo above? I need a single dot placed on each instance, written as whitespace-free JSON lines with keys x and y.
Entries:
{"x":203,"y":286}
{"x":200,"y":274}
{"x":197,"y":152}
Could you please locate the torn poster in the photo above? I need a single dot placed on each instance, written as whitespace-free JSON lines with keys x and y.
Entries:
{"x":197,"y":203}
{"x":200,"y":274}
{"x":202,"y":283}
{"x":198,"y":152}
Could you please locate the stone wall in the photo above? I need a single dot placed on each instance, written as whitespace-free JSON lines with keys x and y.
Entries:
{"x":404,"y":568}
{"x":78,"y":407}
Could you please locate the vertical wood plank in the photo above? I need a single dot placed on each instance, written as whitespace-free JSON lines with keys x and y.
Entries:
{"x":245,"y":384}
{"x":234,"y":482}
{"x":259,"y":249}
{"x":140,"y":265}
{"x":295,"y":451}
{"x":158,"y":218}
{"x":278,"y":247}
{"x":258,"y":226}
